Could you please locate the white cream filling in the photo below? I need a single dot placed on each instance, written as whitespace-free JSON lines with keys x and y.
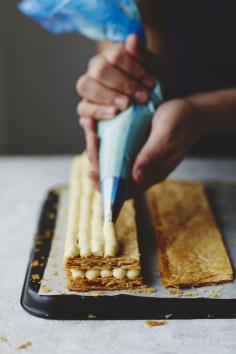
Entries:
{"x":85,"y":214}
{"x":118,"y":273}
{"x":106,"y":273}
{"x":77,"y":274}
{"x":133,"y":273}
{"x":86,"y":233}
{"x":92,"y":274}
{"x":96,"y":226}
{"x":71,"y":242}
{"x":111,"y":244}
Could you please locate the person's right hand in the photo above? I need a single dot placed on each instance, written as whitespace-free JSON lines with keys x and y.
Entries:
{"x":121,"y":74}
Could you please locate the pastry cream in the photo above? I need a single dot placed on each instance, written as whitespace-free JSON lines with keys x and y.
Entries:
{"x":71,"y":243}
{"x":92,"y":274}
{"x":106,"y":273}
{"x":84,"y":230}
{"x":118,"y":273}
{"x":77,"y":274}
{"x":86,"y":234}
{"x":96,"y":226}
{"x":111,"y":244}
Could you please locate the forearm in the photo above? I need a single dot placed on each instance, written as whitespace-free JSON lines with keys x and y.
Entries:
{"x":217,"y":110}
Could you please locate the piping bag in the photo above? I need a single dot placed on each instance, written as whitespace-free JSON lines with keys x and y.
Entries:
{"x":122,"y":137}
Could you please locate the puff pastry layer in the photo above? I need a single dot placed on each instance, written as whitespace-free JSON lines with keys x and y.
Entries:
{"x":191,"y":251}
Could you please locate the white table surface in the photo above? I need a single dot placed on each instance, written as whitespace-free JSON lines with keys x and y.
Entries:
{"x":24,"y":182}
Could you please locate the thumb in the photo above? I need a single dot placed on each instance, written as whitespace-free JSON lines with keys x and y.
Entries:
{"x":136,"y":49}
{"x":151,"y":154}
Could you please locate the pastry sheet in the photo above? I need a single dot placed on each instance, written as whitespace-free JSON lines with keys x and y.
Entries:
{"x":222,"y":198}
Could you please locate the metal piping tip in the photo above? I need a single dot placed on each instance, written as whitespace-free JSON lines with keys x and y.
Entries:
{"x":114,"y":193}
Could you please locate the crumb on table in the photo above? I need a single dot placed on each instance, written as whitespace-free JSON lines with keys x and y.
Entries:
{"x":3,"y":339}
{"x":24,"y":345}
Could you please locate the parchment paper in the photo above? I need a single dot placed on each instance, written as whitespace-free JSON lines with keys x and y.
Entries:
{"x":222,"y":197}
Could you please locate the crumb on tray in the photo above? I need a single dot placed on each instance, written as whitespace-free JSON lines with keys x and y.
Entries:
{"x":46,"y":289}
{"x":35,"y":263}
{"x":91,"y":316}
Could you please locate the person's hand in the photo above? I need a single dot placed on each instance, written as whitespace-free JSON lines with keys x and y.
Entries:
{"x":114,"y":78}
{"x":121,"y":74}
{"x":176,"y":126}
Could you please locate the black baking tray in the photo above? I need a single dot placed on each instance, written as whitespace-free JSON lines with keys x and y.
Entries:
{"x":72,"y":307}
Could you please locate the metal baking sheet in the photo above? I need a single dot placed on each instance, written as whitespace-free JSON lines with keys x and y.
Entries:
{"x":222,"y":197}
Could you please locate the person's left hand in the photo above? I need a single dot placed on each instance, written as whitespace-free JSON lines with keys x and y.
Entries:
{"x":176,"y":126}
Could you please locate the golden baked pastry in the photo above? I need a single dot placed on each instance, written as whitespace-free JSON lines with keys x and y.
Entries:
{"x":191,"y":251}
{"x":98,"y":256}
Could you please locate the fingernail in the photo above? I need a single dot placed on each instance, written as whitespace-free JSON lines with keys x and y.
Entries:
{"x":149,"y":82}
{"x":141,"y":96}
{"x":121,"y":102}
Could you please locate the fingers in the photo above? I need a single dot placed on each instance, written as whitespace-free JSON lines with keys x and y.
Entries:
{"x":88,"y":124}
{"x":92,"y":141}
{"x":97,"y":111}
{"x":94,"y":176}
{"x":120,"y":58}
{"x":152,"y":153}
{"x":101,"y":70}
{"x":160,"y":171}
{"x":92,"y":90}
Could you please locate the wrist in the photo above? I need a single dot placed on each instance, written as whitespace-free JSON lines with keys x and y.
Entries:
{"x":201,"y":116}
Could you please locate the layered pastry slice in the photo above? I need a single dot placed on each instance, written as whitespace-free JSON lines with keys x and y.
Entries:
{"x":98,"y":256}
{"x":191,"y":251}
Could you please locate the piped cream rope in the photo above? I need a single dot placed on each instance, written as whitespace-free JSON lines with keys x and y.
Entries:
{"x":71,"y":242}
{"x":96,"y":226}
{"x":110,"y":239}
{"x":86,"y":233}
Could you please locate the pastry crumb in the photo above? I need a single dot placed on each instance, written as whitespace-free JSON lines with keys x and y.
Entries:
{"x":169,"y":315}
{"x":3,"y":339}
{"x":55,"y":273}
{"x":51,"y":216}
{"x":24,"y":345}
{"x":151,"y":323}
{"x":46,"y":289}
{"x":91,"y":316}
{"x":190,"y":293}
{"x":35,"y":263}
{"x":35,"y":276}
{"x":97,"y":293}
{"x":214,"y":293}
{"x":177,"y":292}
